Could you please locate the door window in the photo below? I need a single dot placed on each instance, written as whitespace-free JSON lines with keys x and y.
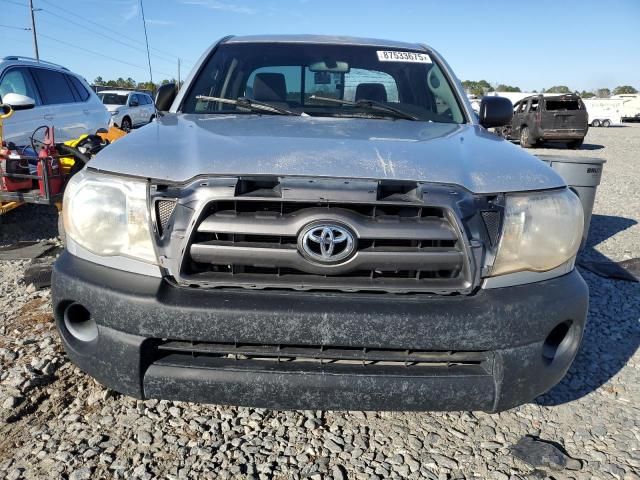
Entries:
{"x":53,"y":86}
{"x":18,"y":80}
{"x":134,"y":100}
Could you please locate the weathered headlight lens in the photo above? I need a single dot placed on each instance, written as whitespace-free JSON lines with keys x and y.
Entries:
{"x":541,"y":231}
{"x":108,"y":215}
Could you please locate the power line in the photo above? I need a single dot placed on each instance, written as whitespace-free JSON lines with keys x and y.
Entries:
{"x":48,"y":12}
{"x":15,"y":28}
{"x":101,"y":54}
{"x":86,"y":20}
{"x":16,"y":3}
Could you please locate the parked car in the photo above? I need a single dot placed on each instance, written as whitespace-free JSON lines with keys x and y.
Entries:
{"x":561,"y":118}
{"x":322,"y":223}
{"x":128,"y":109}
{"x":43,"y":93}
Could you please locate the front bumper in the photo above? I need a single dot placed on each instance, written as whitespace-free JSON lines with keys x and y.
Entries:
{"x":136,"y":315}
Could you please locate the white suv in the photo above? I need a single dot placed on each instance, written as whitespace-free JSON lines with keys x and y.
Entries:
{"x":43,"y":93}
{"x":128,"y":109}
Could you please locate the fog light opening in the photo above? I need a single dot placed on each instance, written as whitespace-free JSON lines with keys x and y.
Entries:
{"x":557,"y":341}
{"x":79,"y":323}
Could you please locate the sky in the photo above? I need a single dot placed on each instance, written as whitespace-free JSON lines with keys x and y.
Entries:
{"x":582,"y":44}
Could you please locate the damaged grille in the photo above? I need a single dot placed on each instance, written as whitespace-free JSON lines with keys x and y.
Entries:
{"x":399,"y":244}
{"x":328,"y":355}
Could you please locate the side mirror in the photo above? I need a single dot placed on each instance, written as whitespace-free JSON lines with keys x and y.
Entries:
{"x":165,"y":96}
{"x":495,"y":112}
{"x":18,"y":102}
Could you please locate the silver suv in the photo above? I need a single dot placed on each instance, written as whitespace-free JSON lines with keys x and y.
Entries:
{"x":43,"y":93}
{"x":322,"y":223}
{"x":128,"y":109}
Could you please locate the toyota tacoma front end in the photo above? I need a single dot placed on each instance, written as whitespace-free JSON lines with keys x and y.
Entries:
{"x":322,"y":223}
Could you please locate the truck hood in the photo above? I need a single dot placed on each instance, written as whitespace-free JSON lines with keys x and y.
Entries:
{"x":176,"y":147}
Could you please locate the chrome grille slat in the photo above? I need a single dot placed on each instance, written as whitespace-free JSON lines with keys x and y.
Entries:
{"x":370,"y":228}
{"x":400,"y":247}
{"x":287,"y":256}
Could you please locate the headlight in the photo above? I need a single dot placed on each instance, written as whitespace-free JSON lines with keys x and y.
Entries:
{"x":108,"y":215}
{"x":114,"y":113}
{"x":541,"y":231}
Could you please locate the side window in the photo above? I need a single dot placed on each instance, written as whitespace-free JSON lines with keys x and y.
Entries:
{"x":18,"y":80}
{"x":371,"y":83}
{"x":277,"y":83}
{"x":53,"y":86}
{"x":81,"y":90}
{"x":148,"y":100}
{"x":134,"y":100}
{"x":534,"y":105}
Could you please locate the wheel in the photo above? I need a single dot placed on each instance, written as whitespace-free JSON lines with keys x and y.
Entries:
{"x":126,"y":124}
{"x":595,"y":123}
{"x":61,"y":232}
{"x":525,"y":138}
{"x":575,"y":144}
{"x":606,"y":123}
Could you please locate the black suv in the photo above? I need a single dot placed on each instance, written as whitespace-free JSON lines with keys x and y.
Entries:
{"x":561,"y":118}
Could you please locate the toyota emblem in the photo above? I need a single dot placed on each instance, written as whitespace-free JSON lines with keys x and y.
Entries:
{"x":326,"y":242}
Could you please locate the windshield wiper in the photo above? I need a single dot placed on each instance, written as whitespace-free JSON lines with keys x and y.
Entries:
{"x":254,"y":105}
{"x":369,"y":104}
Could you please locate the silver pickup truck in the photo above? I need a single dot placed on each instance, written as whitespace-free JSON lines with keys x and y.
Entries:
{"x":322,"y":223}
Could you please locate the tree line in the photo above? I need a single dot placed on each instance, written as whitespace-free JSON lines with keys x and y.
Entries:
{"x":482,"y":87}
{"x":132,"y":84}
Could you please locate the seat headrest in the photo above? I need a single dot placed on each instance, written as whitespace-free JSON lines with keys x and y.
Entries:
{"x":371,"y":91}
{"x":270,"y":87}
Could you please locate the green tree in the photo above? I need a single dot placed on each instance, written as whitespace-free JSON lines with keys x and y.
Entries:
{"x":559,"y":89}
{"x":477,"y":88}
{"x":624,"y":89}
{"x":98,"y":81}
{"x":507,"y":88}
{"x":603,"y":93}
{"x":585,"y":94}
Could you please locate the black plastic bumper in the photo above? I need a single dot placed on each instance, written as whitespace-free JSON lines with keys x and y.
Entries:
{"x":135,"y":314}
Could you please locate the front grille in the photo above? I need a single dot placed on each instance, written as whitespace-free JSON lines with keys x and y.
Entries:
{"x":254,"y":243}
{"x":327,"y":355}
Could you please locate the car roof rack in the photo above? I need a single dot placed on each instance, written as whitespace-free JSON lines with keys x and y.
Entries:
{"x":35,"y":60}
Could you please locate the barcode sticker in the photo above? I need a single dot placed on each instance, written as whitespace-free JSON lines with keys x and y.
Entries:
{"x":395,"y":56}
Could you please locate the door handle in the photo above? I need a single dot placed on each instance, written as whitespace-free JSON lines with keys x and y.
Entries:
{"x":48,"y":116}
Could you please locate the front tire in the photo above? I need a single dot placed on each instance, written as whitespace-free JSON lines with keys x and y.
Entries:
{"x":525,"y":138}
{"x":126,"y":124}
{"x":606,"y":123}
{"x":595,"y":123}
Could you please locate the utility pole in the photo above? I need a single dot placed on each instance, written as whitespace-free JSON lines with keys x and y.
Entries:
{"x":178,"y":73}
{"x":33,"y":29}
{"x":146,"y":39}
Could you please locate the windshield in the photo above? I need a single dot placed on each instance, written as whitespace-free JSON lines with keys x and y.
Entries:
{"x":304,"y":77}
{"x":113,"y":98}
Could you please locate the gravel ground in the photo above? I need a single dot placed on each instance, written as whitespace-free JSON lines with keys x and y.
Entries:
{"x":55,"y":422}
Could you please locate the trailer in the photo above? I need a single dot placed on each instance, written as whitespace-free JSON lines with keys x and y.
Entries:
{"x":630,"y":107}
{"x":604,"y":112}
